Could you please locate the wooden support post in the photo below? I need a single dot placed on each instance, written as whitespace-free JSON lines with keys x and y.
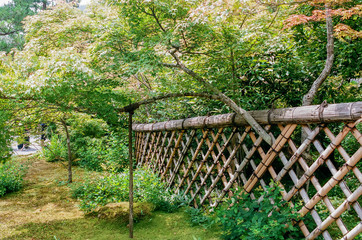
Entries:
{"x":130,"y":175}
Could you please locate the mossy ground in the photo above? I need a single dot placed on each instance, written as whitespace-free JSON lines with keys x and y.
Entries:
{"x":44,"y":209}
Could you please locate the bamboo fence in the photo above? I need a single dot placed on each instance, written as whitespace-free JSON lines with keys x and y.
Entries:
{"x":209,"y":157}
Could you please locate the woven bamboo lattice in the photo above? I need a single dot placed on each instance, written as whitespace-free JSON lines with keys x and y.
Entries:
{"x":208,"y":158}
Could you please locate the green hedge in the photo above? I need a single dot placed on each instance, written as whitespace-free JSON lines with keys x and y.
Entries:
{"x":11,"y":177}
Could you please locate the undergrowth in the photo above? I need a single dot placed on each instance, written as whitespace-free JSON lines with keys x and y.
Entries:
{"x":12,"y":174}
{"x":267,"y":216}
{"x":113,"y":187}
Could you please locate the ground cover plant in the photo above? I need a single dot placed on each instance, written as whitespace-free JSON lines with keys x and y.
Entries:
{"x":44,"y":209}
{"x":266,"y":217}
{"x":12,"y":175}
{"x":113,"y":187}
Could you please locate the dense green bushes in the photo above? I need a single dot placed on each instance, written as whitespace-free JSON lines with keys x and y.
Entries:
{"x":5,"y":136}
{"x":94,"y":145}
{"x":11,"y":176}
{"x":113,"y":187}
{"x":244,"y":218}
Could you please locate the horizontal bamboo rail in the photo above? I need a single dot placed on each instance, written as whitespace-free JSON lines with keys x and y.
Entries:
{"x":208,"y":157}
{"x":300,"y":115}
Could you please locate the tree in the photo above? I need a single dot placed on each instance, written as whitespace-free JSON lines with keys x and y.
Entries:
{"x":11,"y":17}
{"x":11,"y":20}
{"x":342,"y":12}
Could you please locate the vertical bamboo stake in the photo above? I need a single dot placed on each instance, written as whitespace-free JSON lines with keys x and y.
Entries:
{"x":130,"y":175}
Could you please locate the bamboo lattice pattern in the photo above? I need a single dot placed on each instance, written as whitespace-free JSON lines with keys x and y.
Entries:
{"x":207,"y":158}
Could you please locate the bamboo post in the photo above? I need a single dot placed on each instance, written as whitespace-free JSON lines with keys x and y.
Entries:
{"x":130,"y":175}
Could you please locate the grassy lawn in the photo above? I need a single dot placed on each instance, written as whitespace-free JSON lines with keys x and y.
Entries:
{"x":43,"y":209}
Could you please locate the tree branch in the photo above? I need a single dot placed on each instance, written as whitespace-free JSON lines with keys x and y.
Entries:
{"x":223,"y":98}
{"x":133,"y":106}
{"x":308,"y":98}
{"x":7,"y":33}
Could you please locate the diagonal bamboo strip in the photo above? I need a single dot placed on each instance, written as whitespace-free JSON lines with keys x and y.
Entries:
{"x":140,"y":146}
{"x":343,"y":153}
{"x":317,"y":186}
{"x":347,"y":192}
{"x":218,"y":165}
{"x":321,"y":159}
{"x":294,"y":178}
{"x":161,"y":149}
{"x":145,"y":147}
{"x":219,"y":148}
{"x":298,"y":153}
{"x":204,"y":159}
{"x":182,"y":156}
{"x":140,"y":136}
{"x":353,"y":233}
{"x":269,"y":157}
{"x":203,"y":182}
{"x":228,"y":161}
{"x":194,"y":156}
{"x":173,"y":154}
{"x":229,"y":148}
{"x":331,"y":218}
{"x":150,"y":148}
{"x":356,"y":133}
{"x":239,"y":168}
{"x":169,"y":144}
{"x":155,"y":149}
{"x":333,"y":181}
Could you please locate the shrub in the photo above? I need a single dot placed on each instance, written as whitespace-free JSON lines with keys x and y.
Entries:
{"x":199,"y":218}
{"x":113,"y":187}
{"x":244,"y":218}
{"x":11,"y":177}
{"x":56,"y":150}
{"x":5,"y":136}
{"x":106,"y":153}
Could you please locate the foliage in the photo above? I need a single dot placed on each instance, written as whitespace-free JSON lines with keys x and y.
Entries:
{"x":198,"y":217}
{"x":11,"y":17}
{"x":11,"y":176}
{"x":113,"y":187}
{"x":244,"y":218}
{"x":55,"y":150}
{"x":5,"y":134}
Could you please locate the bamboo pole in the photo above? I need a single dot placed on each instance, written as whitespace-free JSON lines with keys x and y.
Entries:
{"x":194,"y":156}
{"x":317,"y":186}
{"x":300,"y":115}
{"x":204,"y":160}
{"x":353,"y":233}
{"x":335,"y":215}
{"x":320,"y":160}
{"x":181,"y":157}
{"x":269,"y":157}
{"x":169,"y":163}
{"x":332,"y":182}
{"x":294,"y":178}
{"x":130,"y":175}
{"x":159,"y":154}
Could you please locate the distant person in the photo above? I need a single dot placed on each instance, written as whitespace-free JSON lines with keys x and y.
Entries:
{"x":43,"y":135}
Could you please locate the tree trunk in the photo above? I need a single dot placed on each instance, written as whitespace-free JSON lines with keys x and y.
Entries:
{"x":308,"y":98}
{"x":70,"y":174}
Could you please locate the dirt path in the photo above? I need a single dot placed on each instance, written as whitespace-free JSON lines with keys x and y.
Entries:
{"x":44,"y":198}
